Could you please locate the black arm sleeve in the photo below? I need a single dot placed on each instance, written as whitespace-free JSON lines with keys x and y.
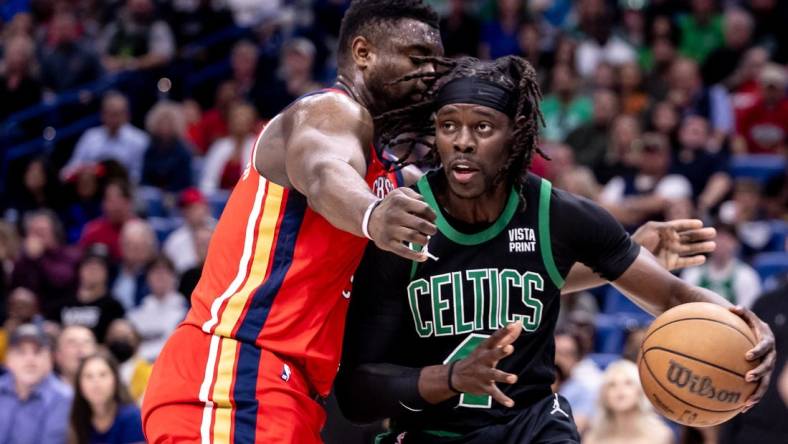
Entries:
{"x":584,"y":232}
{"x":368,"y":387}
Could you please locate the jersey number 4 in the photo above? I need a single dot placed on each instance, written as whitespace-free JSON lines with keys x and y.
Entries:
{"x":464,"y":349}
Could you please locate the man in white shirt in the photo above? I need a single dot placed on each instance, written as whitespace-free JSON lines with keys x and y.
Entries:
{"x":115,"y":139}
{"x":724,"y":273}
{"x":180,"y":247}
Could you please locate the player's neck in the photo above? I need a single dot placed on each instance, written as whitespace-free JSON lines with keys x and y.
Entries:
{"x":353,"y":84}
{"x":478,"y":210}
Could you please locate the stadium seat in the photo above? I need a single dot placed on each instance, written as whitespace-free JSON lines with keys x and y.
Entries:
{"x":770,"y":264}
{"x":152,"y":201}
{"x":760,"y":167}
{"x":163,"y":226}
{"x":602,"y":360}
{"x":616,"y":303}
{"x":779,"y":236}
{"x":217,"y":200}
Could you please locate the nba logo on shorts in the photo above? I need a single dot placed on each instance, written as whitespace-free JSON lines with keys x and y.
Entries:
{"x":382,"y":186}
{"x":286,"y":373}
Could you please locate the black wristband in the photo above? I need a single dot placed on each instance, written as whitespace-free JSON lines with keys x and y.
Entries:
{"x":451,"y":371}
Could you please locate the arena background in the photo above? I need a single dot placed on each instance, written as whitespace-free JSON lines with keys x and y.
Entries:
{"x":124,"y":124}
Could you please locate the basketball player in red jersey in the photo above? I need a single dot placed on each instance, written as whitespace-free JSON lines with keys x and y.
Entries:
{"x":260,"y":347}
{"x":261,"y":344}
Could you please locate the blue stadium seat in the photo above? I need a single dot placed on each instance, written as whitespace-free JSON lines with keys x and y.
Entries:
{"x":616,"y":303}
{"x":152,"y":201}
{"x":217,"y":200}
{"x":163,"y":226}
{"x":760,"y":167}
{"x":602,"y":360}
{"x":779,"y":236}
{"x":770,"y":264}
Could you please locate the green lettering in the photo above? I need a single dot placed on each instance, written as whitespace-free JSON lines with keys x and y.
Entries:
{"x":494,"y":306}
{"x":477,"y":276}
{"x":460,"y":326}
{"x":440,"y":305}
{"x":416,"y":289}
{"x":513,"y":278}
{"x":532,"y":281}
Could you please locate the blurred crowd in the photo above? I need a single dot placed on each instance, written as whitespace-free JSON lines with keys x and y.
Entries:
{"x":124,"y":124}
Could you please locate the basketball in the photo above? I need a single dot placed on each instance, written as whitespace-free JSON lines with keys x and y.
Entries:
{"x":692,"y":364}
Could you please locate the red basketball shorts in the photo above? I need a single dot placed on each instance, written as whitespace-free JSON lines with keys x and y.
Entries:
{"x":213,"y":390}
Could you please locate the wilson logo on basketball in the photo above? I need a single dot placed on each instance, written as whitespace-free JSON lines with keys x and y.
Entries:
{"x":684,"y":378}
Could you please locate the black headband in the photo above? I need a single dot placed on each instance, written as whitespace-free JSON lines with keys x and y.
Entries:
{"x":477,"y":91}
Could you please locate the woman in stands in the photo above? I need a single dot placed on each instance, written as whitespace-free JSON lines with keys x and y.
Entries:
{"x":625,"y":415}
{"x":103,"y":411}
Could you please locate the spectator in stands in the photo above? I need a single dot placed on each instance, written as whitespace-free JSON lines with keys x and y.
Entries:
{"x":603,"y":77}
{"x":22,"y":308}
{"x":139,"y":247}
{"x":68,"y":63}
{"x":253,"y":12}
{"x":123,"y":342}
{"x":705,"y":170}
{"x":136,"y":39}
{"x":590,"y":141}
{"x":160,"y":311}
{"x":701,"y":31}
{"x":181,"y":245}
{"x":691,"y":97}
{"x":746,"y":212}
{"x":764,"y":126}
{"x":190,"y":277}
{"x":563,"y":108}
{"x":601,"y":45}
{"x":34,"y":404}
{"x":243,"y":62}
{"x":194,"y":20}
{"x":743,"y":83}
{"x":630,"y":84}
{"x":664,"y":119}
{"x":722,"y":62}
{"x":295,"y":78}
{"x":633,"y":342}
{"x":625,"y":414}
{"x":103,"y":412}
{"x":92,"y":306}
{"x":46,"y":266}
{"x":74,"y":343}
{"x":9,"y":252}
{"x":645,"y":194}
{"x":212,"y":124}
{"x":115,"y":139}
{"x":499,"y":35}
{"x":117,"y":208}
{"x":621,"y":155}
{"x":19,"y":88}
{"x":460,"y":31}
{"x":168,"y":160}
{"x":228,"y":156}
{"x":579,"y":390}
{"x":37,"y":189}
{"x":724,"y":273}
{"x":82,"y":202}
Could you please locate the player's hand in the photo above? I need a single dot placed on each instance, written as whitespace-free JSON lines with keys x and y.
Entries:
{"x":401,"y":217}
{"x":763,"y":351}
{"x":477,"y":374}
{"x":678,"y":243}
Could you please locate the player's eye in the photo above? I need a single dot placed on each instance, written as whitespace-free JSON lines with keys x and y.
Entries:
{"x":448,"y":126}
{"x":484,"y":127}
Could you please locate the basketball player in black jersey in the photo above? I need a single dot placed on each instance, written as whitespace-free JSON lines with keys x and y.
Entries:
{"x":460,"y":348}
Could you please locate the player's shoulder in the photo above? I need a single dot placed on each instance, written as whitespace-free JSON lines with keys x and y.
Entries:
{"x":330,"y":106}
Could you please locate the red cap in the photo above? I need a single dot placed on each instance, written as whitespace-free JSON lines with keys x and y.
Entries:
{"x":191,"y":196}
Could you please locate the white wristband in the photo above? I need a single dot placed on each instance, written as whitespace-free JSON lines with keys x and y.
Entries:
{"x":367,"y":215}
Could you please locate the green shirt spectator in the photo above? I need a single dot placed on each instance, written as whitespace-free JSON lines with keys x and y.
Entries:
{"x":563,"y":117}
{"x":699,"y":39}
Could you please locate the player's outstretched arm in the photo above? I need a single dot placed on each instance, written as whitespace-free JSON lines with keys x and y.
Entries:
{"x":326,"y":161}
{"x":675,"y":244}
{"x":652,"y":287}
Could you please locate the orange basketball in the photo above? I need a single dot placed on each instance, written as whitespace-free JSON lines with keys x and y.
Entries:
{"x":692,"y":364}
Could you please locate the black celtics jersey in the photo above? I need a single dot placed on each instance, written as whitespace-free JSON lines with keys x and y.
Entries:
{"x":406,"y":315}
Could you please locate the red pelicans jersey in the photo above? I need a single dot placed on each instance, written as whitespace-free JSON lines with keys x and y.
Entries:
{"x":278,"y":275}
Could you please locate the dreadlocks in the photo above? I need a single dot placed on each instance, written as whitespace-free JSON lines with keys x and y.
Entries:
{"x":415,"y":125}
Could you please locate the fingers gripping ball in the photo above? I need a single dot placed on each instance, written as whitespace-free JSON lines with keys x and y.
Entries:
{"x":692,"y":364}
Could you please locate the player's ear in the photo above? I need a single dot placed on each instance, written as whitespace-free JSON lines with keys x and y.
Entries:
{"x":361,"y":49}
